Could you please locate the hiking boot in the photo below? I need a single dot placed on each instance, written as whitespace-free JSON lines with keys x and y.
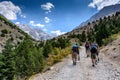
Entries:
{"x":75,"y":63}
{"x":78,"y":58}
{"x":98,"y":59}
{"x":96,"y":62}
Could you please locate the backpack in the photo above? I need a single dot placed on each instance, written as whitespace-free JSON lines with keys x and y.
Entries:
{"x":87,"y":45}
{"x":75,"y":49}
{"x":93,"y":49}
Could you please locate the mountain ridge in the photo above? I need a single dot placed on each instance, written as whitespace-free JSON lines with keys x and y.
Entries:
{"x":106,"y":11}
{"x":35,"y":33}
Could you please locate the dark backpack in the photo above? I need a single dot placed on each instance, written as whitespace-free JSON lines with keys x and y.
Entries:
{"x":93,"y":49}
{"x":87,"y":45}
{"x":75,"y":49}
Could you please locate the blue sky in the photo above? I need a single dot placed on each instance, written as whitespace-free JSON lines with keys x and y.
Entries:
{"x":52,"y":16}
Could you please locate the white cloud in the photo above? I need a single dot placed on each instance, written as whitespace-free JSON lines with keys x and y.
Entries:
{"x":57,"y":32}
{"x":36,"y":25}
{"x":31,"y":22}
{"x":44,"y":29}
{"x":47,"y":7}
{"x":9,"y":10}
{"x":17,"y":23}
{"x":23,"y":16}
{"x":99,"y":4}
{"x":47,"y":20}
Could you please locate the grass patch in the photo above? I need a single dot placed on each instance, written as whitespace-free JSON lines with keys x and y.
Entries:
{"x":111,"y":38}
{"x":57,"y":55}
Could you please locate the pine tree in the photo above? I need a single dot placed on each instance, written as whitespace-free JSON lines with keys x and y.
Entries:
{"x":47,"y":49}
{"x":29,"y":59}
{"x":8,"y":62}
{"x":103,"y":32}
{"x":83,"y":36}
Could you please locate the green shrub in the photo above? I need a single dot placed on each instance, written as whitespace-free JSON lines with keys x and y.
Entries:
{"x":5,"y":31}
{"x":9,"y":31}
{"x":11,"y":39}
{"x":20,"y":37}
{"x":29,"y":59}
{"x":7,"y":63}
{"x":47,"y":48}
{"x":2,"y":35}
{"x":110,"y":38}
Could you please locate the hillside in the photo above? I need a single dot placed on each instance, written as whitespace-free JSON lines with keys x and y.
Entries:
{"x":98,"y":30}
{"x":21,"y":56}
{"x":112,"y":50}
{"x":8,"y":30}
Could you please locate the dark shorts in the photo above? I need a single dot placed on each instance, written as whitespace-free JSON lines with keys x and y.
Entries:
{"x":87,"y":48}
{"x":77,"y":52}
{"x":74,"y":55}
{"x":93,"y":55}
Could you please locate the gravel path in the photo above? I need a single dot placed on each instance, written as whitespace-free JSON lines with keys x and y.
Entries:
{"x":104,"y":70}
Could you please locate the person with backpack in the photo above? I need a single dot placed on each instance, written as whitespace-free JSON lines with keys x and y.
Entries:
{"x":75,"y":53}
{"x":94,"y":51}
{"x":97,"y":53}
{"x":87,"y":48}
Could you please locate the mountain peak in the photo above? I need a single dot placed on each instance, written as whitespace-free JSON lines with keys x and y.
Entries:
{"x":35,"y":33}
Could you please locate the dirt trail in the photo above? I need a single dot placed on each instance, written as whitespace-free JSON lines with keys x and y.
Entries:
{"x":104,"y":70}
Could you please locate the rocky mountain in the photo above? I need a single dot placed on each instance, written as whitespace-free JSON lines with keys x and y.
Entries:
{"x":106,"y":11}
{"x":8,"y":30}
{"x":35,"y":33}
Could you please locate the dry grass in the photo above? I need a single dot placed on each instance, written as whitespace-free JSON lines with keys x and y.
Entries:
{"x":57,"y":55}
{"x":111,"y":38}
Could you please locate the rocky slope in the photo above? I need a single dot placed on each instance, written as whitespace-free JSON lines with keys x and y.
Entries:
{"x":112,"y":50}
{"x":8,"y":30}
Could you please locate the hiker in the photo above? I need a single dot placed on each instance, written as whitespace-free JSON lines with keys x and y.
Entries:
{"x":75,"y":53}
{"x":97,"y":53}
{"x":94,"y":51}
{"x":87,"y":49}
